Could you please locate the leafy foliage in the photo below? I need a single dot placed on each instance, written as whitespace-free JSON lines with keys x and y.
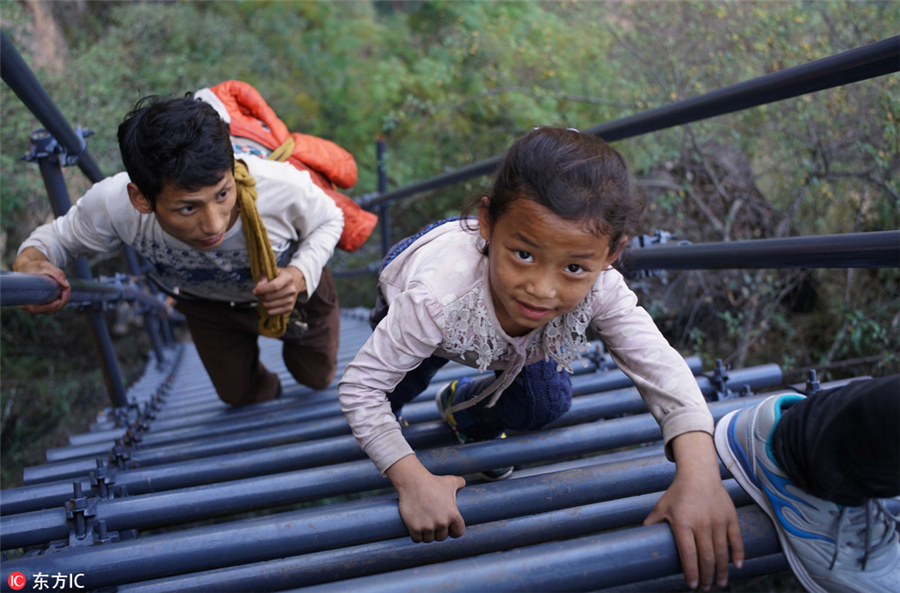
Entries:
{"x":447,"y":83}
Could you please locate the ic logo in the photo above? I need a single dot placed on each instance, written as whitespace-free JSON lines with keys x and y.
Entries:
{"x":16,"y":581}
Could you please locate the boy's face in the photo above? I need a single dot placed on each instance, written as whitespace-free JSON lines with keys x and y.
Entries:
{"x":199,"y":218}
{"x":541,"y":266}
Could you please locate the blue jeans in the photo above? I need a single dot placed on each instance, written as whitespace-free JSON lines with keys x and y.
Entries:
{"x":539,"y":395}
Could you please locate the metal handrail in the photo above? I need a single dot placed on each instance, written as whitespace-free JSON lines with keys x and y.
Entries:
{"x":52,"y":148}
{"x":869,"y":61}
{"x":879,"y":249}
{"x":19,"y":77}
{"x":17,"y":288}
{"x":834,"y":251}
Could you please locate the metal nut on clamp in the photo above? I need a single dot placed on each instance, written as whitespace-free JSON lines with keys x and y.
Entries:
{"x":104,"y":536}
{"x":812,"y":383}
{"x":103,"y":477}
{"x":78,"y":510}
{"x":121,"y":453}
{"x":719,"y":382}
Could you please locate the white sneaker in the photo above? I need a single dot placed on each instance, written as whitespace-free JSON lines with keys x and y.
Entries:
{"x":829,"y":547}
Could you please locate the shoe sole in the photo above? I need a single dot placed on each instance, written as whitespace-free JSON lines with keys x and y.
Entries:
{"x":747,"y":483}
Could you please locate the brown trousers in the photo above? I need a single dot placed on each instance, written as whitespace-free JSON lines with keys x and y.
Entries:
{"x":226,"y":338}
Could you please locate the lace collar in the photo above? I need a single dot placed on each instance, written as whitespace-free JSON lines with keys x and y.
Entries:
{"x":564,"y":339}
{"x":469,"y":327}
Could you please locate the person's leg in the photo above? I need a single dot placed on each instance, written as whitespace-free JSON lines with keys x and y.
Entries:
{"x":313,"y":335}
{"x":417,"y":379}
{"x":843,"y":444}
{"x":539,"y":395}
{"x":226,"y":340}
{"x":830,"y":547}
{"x":379,"y":311}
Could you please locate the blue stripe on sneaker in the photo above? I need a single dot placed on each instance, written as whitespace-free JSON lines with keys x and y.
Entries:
{"x":735,"y":446}
{"x":778,"y":502}
{"x":784,"y":402}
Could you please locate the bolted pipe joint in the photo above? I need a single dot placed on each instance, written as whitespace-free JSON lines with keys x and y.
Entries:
{"x":79,"y":509}
{"x":812,"y":383}
{"x":719,"y":380}
{"x":42,"y":145}
{"x":121,"y":453}
{"x":103,"y":477}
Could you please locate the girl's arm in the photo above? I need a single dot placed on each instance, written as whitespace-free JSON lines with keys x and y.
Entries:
{"x":427,"y":502}
{"x":406,"y":336}
{"x":659,"y":372}
{"x":702,"y":516}
{"x":696,"y":505}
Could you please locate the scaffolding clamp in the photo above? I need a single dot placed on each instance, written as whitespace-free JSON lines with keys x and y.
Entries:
{"x":103,"y":477}
{"x":812,"y":383}
{"x":135,"y":430}
{"x":121,"y":453}
{"x":600,"y":357}
{"x":719,"y":380}
{"x":125,"y":415}
{"x":42,"y":144}
{"x":79,"y":509}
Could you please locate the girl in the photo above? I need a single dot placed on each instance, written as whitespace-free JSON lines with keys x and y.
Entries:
{"x":514,"y":291}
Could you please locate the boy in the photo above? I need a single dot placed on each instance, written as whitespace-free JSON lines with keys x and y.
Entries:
{"x":178,"y":205}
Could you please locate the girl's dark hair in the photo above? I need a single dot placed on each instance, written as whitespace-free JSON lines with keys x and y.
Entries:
{"x":182,"y":141}
{"x":576,"y":176}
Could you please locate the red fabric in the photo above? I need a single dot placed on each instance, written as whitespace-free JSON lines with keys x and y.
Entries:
{"x":328,"y":164}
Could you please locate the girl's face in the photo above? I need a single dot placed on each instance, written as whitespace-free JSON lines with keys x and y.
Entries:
{"x":541,"y":265}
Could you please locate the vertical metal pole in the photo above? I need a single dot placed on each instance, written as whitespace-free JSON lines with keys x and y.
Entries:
{"x":168,"y":335}
{"x":51,"y":171}
{"x":384,"y":207}
{"x":19,"y":77}
{"x":151,"y":318}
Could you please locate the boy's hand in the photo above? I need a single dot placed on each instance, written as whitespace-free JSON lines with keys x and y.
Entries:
{"x":32,"y":261}
{"x":702,"y":516}
{"x":279,"y":296}
{"x":427,"y":502}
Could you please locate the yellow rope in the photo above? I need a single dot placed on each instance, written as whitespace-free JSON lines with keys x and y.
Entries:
{"x":262,"y":258}
{"x":283,"y":152}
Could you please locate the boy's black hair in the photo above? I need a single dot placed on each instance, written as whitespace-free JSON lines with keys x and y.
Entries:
{"x":180,"y":141}
{"x":576,"y":176}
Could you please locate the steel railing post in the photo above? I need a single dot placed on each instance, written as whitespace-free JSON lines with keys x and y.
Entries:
{"x":71,"y":147}
{"x":51,"y":172}
{"x":384,"y":207}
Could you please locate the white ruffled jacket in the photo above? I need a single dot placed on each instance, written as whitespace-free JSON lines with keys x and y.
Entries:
{"x":440,"y":304}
